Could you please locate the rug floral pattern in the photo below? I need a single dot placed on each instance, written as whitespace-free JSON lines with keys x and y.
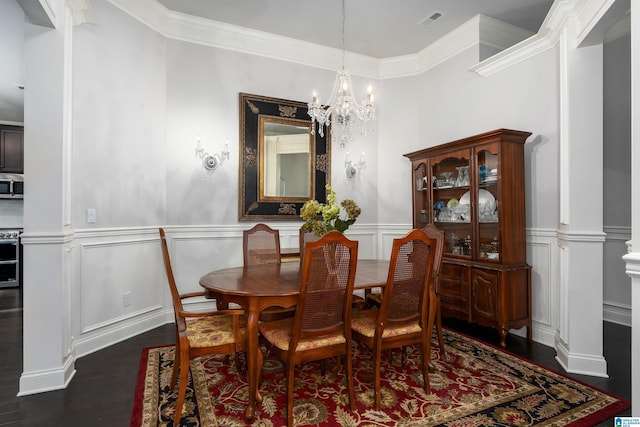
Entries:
{"x":473,"y":385}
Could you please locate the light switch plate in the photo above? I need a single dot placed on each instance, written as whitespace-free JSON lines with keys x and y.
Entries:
{"x":91,"y":215}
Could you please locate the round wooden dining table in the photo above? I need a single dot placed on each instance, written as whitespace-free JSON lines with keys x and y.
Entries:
{"x":256,"y":287}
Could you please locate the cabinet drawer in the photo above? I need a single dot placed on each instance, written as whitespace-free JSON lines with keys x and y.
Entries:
{"x":450,"y":287}
{"x":454,"y":301}
{"x":453,"y":272}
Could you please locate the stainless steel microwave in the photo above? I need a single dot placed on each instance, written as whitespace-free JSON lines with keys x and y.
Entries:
{"x":11,"y":186}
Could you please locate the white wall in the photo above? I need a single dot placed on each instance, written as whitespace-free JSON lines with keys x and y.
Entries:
{"x":119,"y":121}
{"x":203,"y":90}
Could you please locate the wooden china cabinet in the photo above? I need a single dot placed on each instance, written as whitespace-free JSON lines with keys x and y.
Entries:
{"x":473,"y":189}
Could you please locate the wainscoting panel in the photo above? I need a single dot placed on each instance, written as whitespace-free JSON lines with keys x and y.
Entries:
{"x":192,"y":256}
{"x":119,"y":280}
{"x":541,"y":253}
{"x":387,"y":234}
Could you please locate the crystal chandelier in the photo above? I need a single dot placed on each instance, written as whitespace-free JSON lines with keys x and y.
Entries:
{"x":342,"y":109}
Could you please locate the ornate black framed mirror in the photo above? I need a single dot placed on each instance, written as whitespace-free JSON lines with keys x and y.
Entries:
{"x":282,"y":164}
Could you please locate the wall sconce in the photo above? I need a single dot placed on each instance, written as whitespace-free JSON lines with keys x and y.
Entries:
{"x":211,"y":162}
{"x":352,"y":168}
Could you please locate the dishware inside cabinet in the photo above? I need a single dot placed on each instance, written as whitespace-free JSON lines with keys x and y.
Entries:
{"x":450,"y":178}
{"x":488,"y":213}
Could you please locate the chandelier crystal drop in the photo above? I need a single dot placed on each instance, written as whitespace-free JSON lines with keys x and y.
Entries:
{"x":342,"y":110}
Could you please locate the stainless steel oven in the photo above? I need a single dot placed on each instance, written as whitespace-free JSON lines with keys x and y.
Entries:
{"x":10,"y":258}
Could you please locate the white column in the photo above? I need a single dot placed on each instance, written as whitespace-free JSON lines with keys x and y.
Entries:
{"x":580,"y":236}
{"x":48,"y":355}
{"x":633,"y":257}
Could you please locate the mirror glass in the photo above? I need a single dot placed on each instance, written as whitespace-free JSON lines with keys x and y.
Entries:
{"x":286,"y":151}
{"x":282,"y":162}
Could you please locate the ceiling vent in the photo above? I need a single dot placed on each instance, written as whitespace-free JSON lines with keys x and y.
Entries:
{"x":431,"y":18}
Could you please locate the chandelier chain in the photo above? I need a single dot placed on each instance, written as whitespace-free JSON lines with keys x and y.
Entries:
{"x":344,"y":14}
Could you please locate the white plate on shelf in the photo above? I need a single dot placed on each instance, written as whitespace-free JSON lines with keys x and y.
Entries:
{"x":491,"y":179}
{"x":484,"y":197}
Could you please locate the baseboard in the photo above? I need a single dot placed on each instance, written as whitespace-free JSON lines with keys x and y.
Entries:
{"x":47,"y":380}
{"x":99,"y":339}
{"x":583,"y":364}
{"x":617,"y":313}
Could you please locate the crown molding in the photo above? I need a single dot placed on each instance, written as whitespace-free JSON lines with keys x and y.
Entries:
{"x":39,"y":12}
{"x":231,"y":37}
{"x":446,"y":47}
{"x":478,"y":30}
{"x":588,"y":15}
{"x":547,"y":37}
{"x":148,"y":12}
{"x":498,"y":34}
{"x":520,"y":52}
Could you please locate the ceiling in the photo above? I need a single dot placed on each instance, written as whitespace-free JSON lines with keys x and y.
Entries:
{"x":376,"y":28}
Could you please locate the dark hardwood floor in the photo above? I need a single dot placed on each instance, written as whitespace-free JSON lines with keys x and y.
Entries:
{"x":101,"y":393}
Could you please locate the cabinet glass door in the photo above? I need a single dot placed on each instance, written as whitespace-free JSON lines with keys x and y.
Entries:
{"x":420,"y":200}
{"x":451,"y":201}
{"x":488,"y":204}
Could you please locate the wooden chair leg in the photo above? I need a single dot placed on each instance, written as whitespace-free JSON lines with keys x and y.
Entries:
{"x":425,"y":349}
{"x":176,"y":368}
{"x":376,"y":378}
{"x":352,"y":396}
{"x":426,"y":343}
{"x":439,"y":327}
{"x":290,"y":374}
{"x":176,"y":362}
{"x":182,"y":386}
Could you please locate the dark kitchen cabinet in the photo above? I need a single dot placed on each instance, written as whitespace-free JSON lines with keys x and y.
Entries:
{"x":11,"y":149}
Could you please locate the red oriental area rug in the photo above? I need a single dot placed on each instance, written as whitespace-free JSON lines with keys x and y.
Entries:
{"x":475,"y":384}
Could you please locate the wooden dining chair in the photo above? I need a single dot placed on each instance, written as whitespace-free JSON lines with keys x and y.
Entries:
{"x":375,"y":299}
{"x":403,"y":316}
{"x":199,"y":333}
{"x":261,"y":245}
{"x":436,"y":234}
{"x":306,"y":236}
{"x":321,"y":326}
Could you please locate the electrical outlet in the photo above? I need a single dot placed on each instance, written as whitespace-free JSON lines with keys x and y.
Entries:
{"x":126,"y":299}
